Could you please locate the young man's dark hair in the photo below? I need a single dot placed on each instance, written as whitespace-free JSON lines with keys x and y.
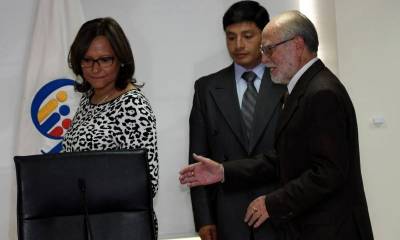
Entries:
{"x":246,"y":11}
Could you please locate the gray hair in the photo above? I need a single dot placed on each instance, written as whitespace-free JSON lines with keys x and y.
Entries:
{"x":294,"y":23}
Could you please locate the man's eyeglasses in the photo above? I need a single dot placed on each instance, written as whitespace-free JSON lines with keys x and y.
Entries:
{"x":267,"y":50}
{"x":103,"y":62}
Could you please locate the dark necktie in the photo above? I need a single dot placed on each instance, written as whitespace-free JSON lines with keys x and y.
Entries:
{"x":249,"y":101}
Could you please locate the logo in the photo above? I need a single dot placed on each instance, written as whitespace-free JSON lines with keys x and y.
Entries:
{"x":51,"y":113}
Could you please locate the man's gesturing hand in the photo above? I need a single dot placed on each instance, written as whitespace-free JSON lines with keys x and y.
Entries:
{"x":205,"y":172}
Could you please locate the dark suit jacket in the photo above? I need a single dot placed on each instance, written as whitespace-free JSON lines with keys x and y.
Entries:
{"x":322,"y":194}
{"x":216,"y":131}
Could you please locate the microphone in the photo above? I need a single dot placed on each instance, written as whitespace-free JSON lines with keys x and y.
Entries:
{"x":86,"y":219}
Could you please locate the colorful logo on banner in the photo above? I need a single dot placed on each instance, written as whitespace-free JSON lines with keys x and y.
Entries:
{"x":50,"y":111}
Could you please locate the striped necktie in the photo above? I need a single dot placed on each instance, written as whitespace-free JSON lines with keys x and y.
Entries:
{"x":249,"y":101}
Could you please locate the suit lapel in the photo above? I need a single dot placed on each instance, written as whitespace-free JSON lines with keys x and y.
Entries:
{"x":224,"y":94}
{"x":298,"y":92}
{"x":268,"y":99}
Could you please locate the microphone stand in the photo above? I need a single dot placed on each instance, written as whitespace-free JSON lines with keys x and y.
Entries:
{"x":86,"y":219}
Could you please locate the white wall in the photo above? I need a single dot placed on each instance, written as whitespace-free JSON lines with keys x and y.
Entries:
{"x":16,"y":27}
{"x":175,"y":42}
{"x":368,"y":48}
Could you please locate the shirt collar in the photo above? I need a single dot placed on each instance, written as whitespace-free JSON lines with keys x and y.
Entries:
{"x":299,"y":73}
{"x":258,"y":70}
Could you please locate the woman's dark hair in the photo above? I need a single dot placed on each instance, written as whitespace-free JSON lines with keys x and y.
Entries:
{"x":246,"y":11}
{"x":109,"y":28}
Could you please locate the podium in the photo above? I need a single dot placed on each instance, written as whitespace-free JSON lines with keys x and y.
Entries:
{"x":84,"y":196}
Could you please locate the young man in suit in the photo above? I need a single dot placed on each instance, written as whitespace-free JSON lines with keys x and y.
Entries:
{"x":233,"y":119}
{"x":317,"y":154}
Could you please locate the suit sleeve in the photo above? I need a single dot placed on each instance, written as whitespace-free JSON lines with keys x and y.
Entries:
{"x":247,"y":172}
{"x":329,"y":157}
{"x":200,"y":196}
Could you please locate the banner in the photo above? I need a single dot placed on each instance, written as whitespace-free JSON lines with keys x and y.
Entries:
{"x":49,"y":99}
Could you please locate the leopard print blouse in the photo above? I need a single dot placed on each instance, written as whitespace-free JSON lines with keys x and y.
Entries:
{"x":126,"y":122}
